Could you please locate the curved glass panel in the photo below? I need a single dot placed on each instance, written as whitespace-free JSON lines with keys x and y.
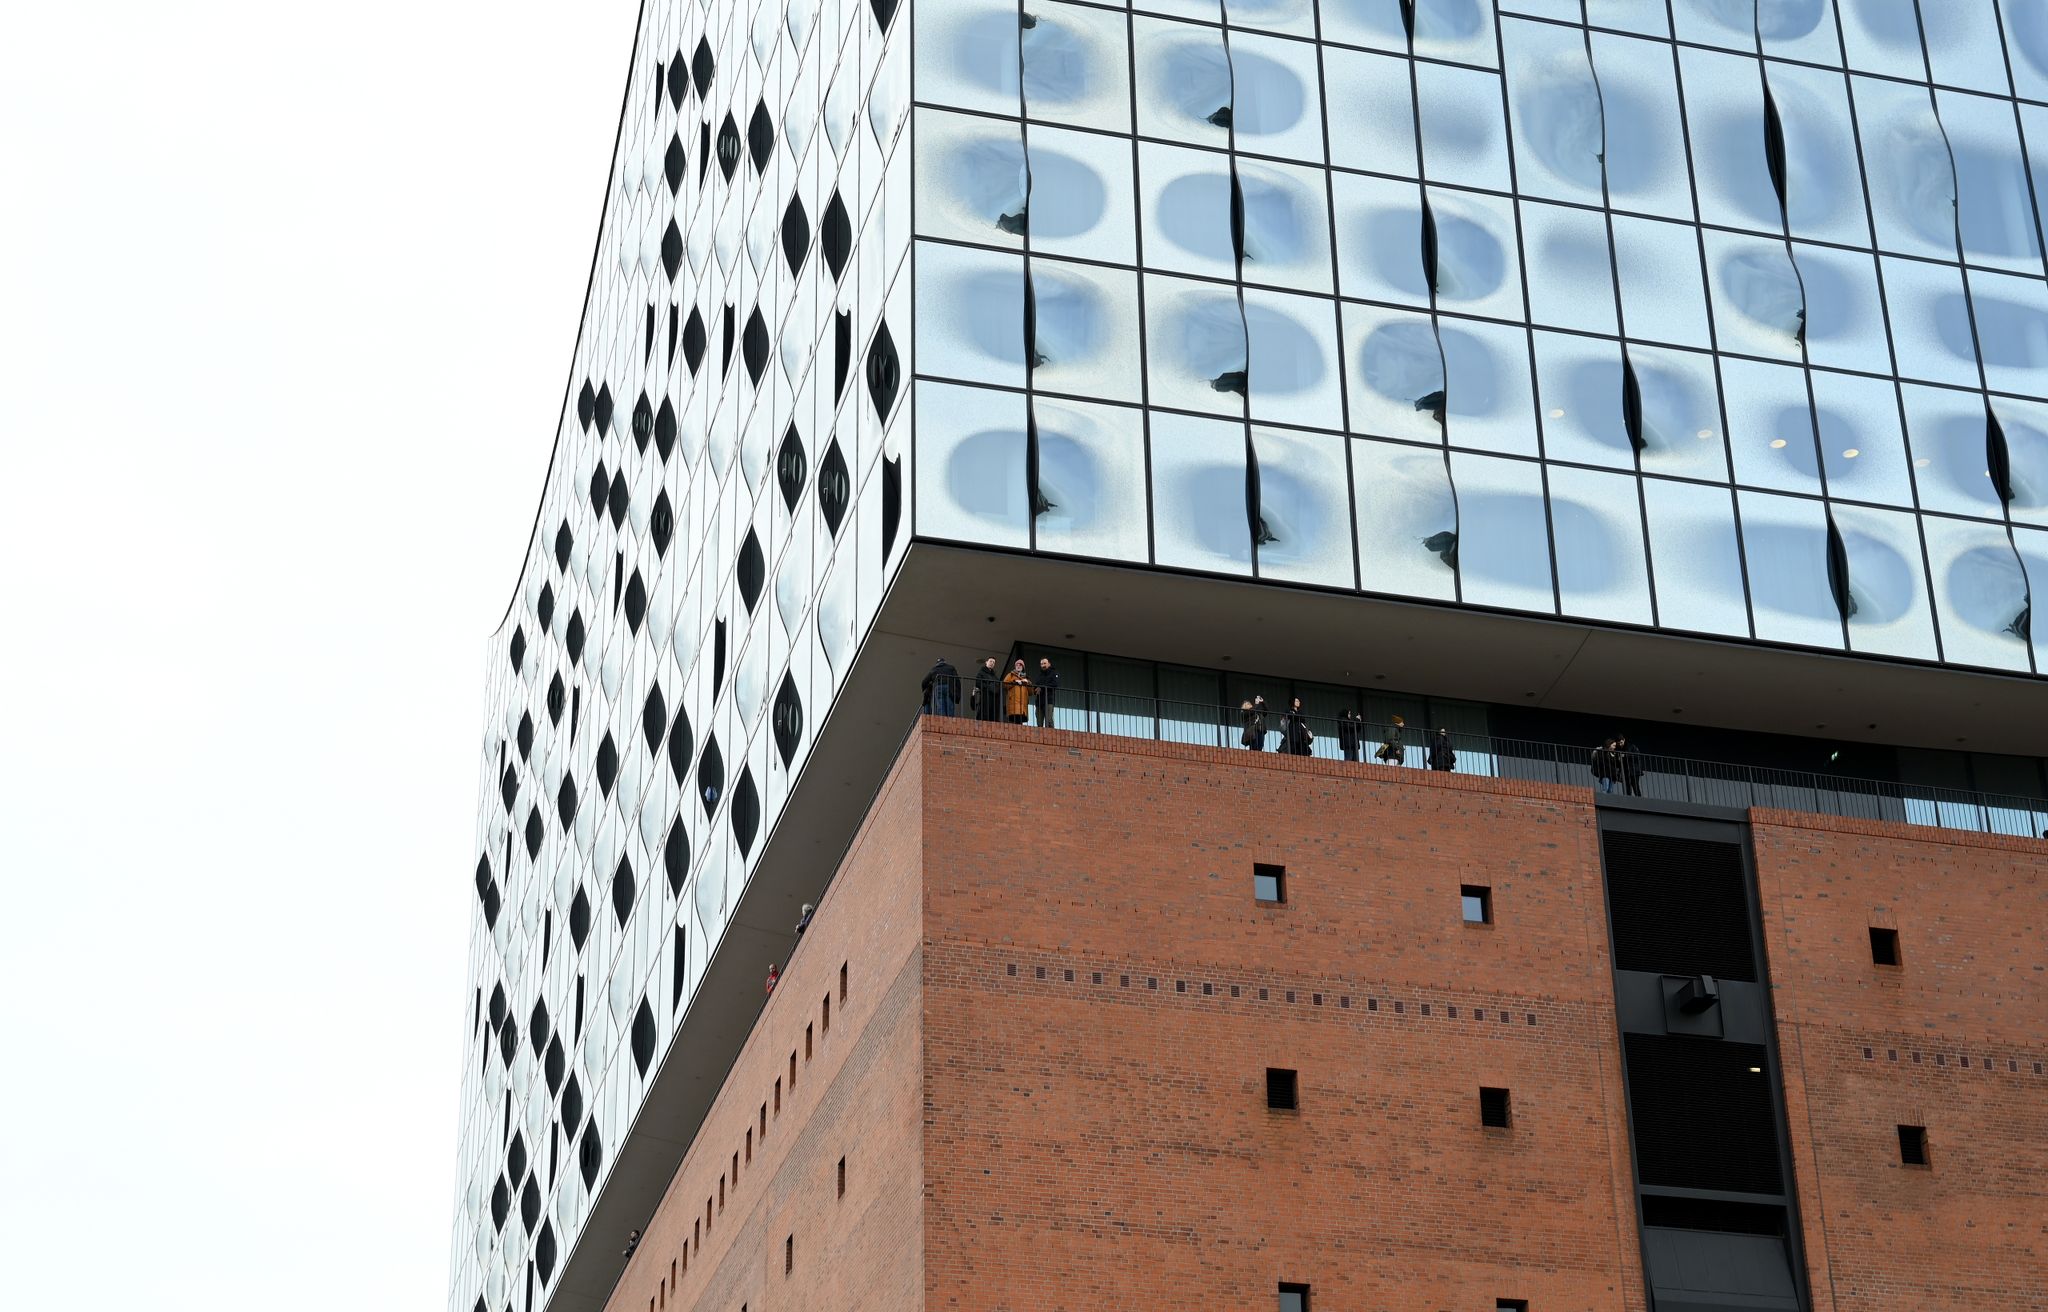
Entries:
{"x":1274,"y":102}
{"x":1681,"y":409}
{"x":1395,"y":372}
{"x":1994,"y":205}
{"x":1980,"y":593}
{"x":1379,"y":240}
{"x":1081,"y":202}
{"x":1503,"y":533}
{"x":970,"y":465}
{"x":1194,"y":345}
{"x":1888,"y":609}
{"x":1724,"y":106}
{"x":2012,"y":325}
{"x":1185,"y":208}
{"x":1862,"y":448}
{"x":1407,"y":520}
{"x":1464,"y":133}
{"x":1662,"y":298}
{"x":1478,"y":264}
{"x":1557,"y":112}
{"x":2025,"y":424}
{"x":1906,"y":167}
{"x":1596,"y":524}
{"x":1845,"y":321}
{"x":1091,"y":479}
{"x":1963,"y":48}
{"x":1198,"y":494}
{"x":1581,"y":383}
{"x":1304,"y":510}
{"x":1571,"y":278}
{"x":1759,"y":302}
{"x":1823,"y":190}
{"x":1286,"y":225}
{"x":966,"y":54}
{"x":970,"y":174}
{"x":1948,"y":432}
{"x":1699,"y":561}
{"x":1490,"y":404}
{"x":1086,"y":322}
{"x":1639,"y":95}
{"x":1183,"y":89}
{"x":970,"y":314}
{"x":1785,"y":541}
{"x":1076,"y":66}
{"x":1930,"y":321}
{"x":1293,"y":374}
{"x":1371,"y":116}
{"x":1770,"y":426}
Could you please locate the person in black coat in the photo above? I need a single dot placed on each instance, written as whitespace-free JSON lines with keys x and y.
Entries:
{"x":1347,"y":733}
{"x":1254,"y":714}
{"x":1298,"y":739}
{"x":941,"y":688}
{"x":1629,"y":766}
{"x":1603,"y":764}
{"x":1391,"y":751}
{"x":988,"y":692}
{"x":1042,"y":689}
{"x":1441,"y":754}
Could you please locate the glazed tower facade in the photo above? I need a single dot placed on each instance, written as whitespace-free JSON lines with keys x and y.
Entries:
{"x":1688,"y":351}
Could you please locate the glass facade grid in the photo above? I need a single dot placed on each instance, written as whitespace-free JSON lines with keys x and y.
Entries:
{"x":1789,"y":256}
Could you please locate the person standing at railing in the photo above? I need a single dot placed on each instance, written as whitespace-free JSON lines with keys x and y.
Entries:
{"x":1047,"y":683}
{"x":1629,"y":765}
{"x":1604,"y":765}
{"x":1348,"y":728}
{"x":941,"y":688}
{"x":988,"y":692}
{"x":1017,"y":695}
{"x":1297,"y":738}
{"x":1391,"y":752}
{"x":1441,"y":755}
{"x":1254,"y":735}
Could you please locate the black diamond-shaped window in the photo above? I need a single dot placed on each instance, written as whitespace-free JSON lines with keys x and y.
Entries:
{"x":617,"y":498}
{"x":579,"y":918}
{"x":539,"y":1027}
{"x":624,"y":890}
{"x":497,"y":1009}
{"x":518,"y":648}
{"x":790,"y":467}
{"x":653,"y":717}
{"x":702,"y":67}
{"x":487,"y":891}
{"x":728,"y":147}
{"x":672,"y":164}
{"x":590,"y":1157}
{"x":565,"y":800}
{"x":661,"y":523}
{"x":529,"y":1205}
{"x":515,"y":1158}
{"x":586,"y":405}
{"x":678,"y":80}
{"x":711,"y":776}
{"x":572,"y":639}
{"x":788,"y":719}
{"x":572,"y":1106}
{"x":544,"y":606}
{"x":754,"y":346}
{"x":501,"y":1203}
{"x":643,"y":422}
{"x":746,"y":811}
{"x":536,"y":830}
{"x":835,"y":237}
{"x":760,"y":136}
{"x":558,"y":697}
{"x":604,"y":409}
{"x":526,"y":722}
{"x":508,"y":788}
{"x":694,"y":340}
{"x":681,"y":743}
{"x":553,"y":1063}
{"x":544,"y":1251}
{"x":607,"y":764}
{"x":643,"y":1037}
{"x":796,"y":233}
{"x":883,"y":372}
{"x":884,"y":11}
{"x":892,"y":504}
{"x":565,"y":542}
{"x":753,"y":570}
{"x":508,"y":1041}
{"x":835,"y":488}
{"x":675,"y":856}
{"x":671,"y":250}
{"x":600,"y":488}
{"x":636,"y":602}
{"x":665,"y":428}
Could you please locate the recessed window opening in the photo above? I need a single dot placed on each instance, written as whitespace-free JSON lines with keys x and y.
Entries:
{"x":842,"y":1178}
{"x":1510,"y":1305}
{"x":1884,"y":946}
{"x":1477,"y":903}
{"x":1494,"y":1111}
{"x":807,"y":1043}
{"x":750,"y":1145}
{"x":788,"y":1254}
{"x":1269,"y":882}
{"x":1913,"y":1145}
{"x":842,"y":982}
{"x":826,"y":1012}
{"x":792,"y":1070}
{"x":1293,"y":1297}
{"x":1282,"y":1089}
{"x":778,"y":1097}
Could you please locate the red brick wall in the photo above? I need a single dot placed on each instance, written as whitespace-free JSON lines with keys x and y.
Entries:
{"x":1095,"y":1142}
{"x":858,"y":1096}
{"x":1954,"y":1039}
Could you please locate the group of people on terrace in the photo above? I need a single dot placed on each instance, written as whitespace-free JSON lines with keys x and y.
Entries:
{"x":1016,"y":696}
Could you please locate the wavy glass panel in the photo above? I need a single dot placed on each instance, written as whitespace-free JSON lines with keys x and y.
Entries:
{"x":1183,"y":87}
{"x":1557,"y":111}
{"x":1862,"y":447}
{"x":1571,"y":278}
{"x":1091,"y":479}
{"x":1906,"y":168}
{"x":1294,"y":361}
{"x":1503,"y":533}
{"x":1407,"y":520}
{"x":1086,"y":320}
{"x":966,"y":54}
{"x":2025,"y":424}
{"x":1464,"y":127}
{"x":1286,"y":225}
{"x":1304,"y":508}
{"x":1770,"y":426}
{"x":1596,"y":524}
{"x":970,"y":476}
{"x":1478,"y":261}
{"x":1379,"y":240}
{"x":1645,"y":129}
{"x":1275,"y":110}
{"x":1699,"y":562}
{"x":1681,"y":413}
{"x":2012,"y":325}
{"x":1490,"y":403}
{"x":1662,"y":297}
{"x":1980,"y":593}
{"x":1194,"y":345}
{"x":1889,"y":610}
{"x":1758,"y":298}
{"x":1963,"y":46}
{"x":970,"y":178}
{"x":970,"y":314}
{"x":1198,"y":494}
{"x":1081,"y":196}
{"x":1371,"y":115}
{"x":1724,"y":105}
{"x":1994,"y":205}
{"x":1394,"y":370}
{"x":1076,"y":66}
{"x":1947,"y":432}
{"x":1580,"y":380}
{"x":1845,"y":321}
{"x":1785,"y":542}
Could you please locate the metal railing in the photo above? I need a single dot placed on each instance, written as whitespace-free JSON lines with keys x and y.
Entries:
{"x":1645,"y":774}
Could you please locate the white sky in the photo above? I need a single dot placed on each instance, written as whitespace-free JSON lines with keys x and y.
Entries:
{"x":287,"y":297}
